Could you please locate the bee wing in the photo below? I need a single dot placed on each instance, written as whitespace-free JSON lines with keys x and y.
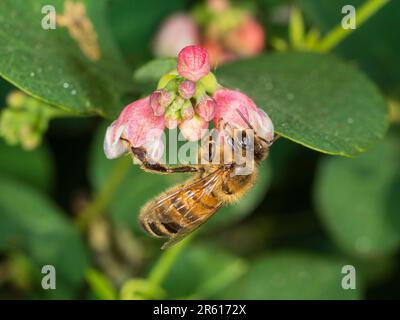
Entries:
{"x":197,"y":189}
{"x":189,"y":229}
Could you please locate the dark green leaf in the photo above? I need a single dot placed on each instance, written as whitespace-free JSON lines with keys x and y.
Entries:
{"x":29,"y":222}
{"x":50,"y":65}
{"x":358,"y":199}
{"x":315,"y":100}
{"x":374,"y":45}
{"x":293,"y":275}
{"x":146,"y":77}
{"x":135,"y":23}
{"x":5,"y":88}
{"x":214,"y":270}
{"x":34,"y":167}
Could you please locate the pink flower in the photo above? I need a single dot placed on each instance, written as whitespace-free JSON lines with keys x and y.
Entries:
{"x":187,"y":89}
{"x":176,"y":32}
{"x":206,"y":108}
{"x":248,"y":39}
{"x":193,"y":63}
{"x":193,"y":129}
{"x":231,"y":104}
{"x":136,"y":126}
{"x":217,"y":54}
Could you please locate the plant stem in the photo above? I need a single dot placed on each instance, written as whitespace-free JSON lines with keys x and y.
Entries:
{"x":105,"y":195}
{"x":334,"y":37}
{"x":165,"y":262}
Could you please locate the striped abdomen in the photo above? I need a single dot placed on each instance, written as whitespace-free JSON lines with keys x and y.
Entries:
{"x":179,"y":208}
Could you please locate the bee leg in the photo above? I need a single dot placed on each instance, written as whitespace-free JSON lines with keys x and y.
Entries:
{"x":157,"y":167}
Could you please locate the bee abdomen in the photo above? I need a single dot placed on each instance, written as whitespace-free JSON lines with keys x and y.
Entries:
{"x":152,"y":228}
{"x":166,"y":216}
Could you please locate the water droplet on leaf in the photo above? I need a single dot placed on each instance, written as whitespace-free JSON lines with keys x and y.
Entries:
{"x":350,"y":120}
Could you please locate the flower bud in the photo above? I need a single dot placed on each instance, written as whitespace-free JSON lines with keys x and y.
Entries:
{"x":246,"y":40}
{"x":176,"y":32}
{"x":159,"y":101}
{"x":176,"y":106}
{"x":25,"y":120}
{"x":193,"y":63}
{"x":187,"y":89}
{"x":206,"y":108}
{"x":193,"y":129}
{"x":187,"y":111}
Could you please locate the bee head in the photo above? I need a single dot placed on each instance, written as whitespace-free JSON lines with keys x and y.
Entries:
{"x":261,"y":148}
{"x":248,"y":144}
{"x":249,"y":141}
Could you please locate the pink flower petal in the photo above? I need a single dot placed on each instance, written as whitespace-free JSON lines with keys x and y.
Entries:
{"x":135,"y":126}
{"x":155,"y":149}
{"x":193,"y":63}
{"x":114,"y":147}
{"x":230,"y":103}
{"x":193,"y":129}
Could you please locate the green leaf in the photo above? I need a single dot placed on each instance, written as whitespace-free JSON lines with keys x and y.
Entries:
{"x":30,"y":222}
{"x":358,"y":199}
{"x":214,"y":270}
{"x":378,"y":59}
{"x":296,"y":28}
{"x":50,"y":65}
{"x":147,"y":76}
{"x":33,"y":167}
{"x":138,"y":187}
{"x":315,"y":100}
{"x":293,"y":275}
{"x":101,"y":285}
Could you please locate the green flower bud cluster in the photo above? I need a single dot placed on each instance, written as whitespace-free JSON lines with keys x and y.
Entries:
{"x":184,"y":95}
{"x":25,"y":120}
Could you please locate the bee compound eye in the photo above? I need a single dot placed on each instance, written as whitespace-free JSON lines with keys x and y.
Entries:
{"x":230,"y":141}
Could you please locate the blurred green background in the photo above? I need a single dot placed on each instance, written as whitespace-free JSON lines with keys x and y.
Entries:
{"x":309,"y":214}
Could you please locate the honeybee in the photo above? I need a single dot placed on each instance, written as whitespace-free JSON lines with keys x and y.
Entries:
{"x":182,"y":209}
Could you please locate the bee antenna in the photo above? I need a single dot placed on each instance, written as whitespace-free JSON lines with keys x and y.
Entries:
{"x":244,"y":119}
{"x":272,"y":141}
